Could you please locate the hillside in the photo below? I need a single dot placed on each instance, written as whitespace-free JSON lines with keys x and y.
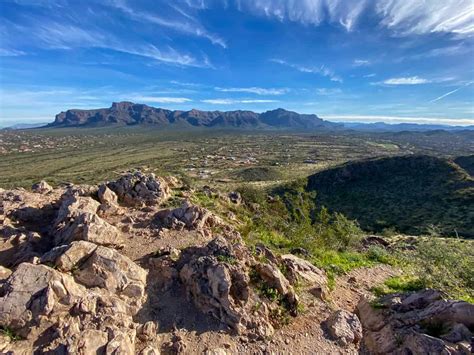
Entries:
{"x":128,"y":113}
{"x":409,"y":193}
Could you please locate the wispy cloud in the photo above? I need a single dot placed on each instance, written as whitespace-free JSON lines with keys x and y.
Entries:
{"x":411,"y":80}
{"x":5,"y":52}
{"x":235,"y":101}
{"x":328,"y":92}
{"x":403,"y":17}
{"x":371,"y":75}
{"x":182,"y":24}
{"x":361,"y":62}
{"x":161,"y":99}
{"x":450,"y":92}
{"x":255,"y":90}
{"x":321,"y":70}
{"x":66,"y":36}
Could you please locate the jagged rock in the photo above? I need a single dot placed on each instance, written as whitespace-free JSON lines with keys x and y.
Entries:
{"x":272,"y":276}
{"x":345,"y":327}
{"x":301,"y":272}
{"x":108,"y":269}
{"x":374,"y":240}
{"x":409,"y":318}
{"x":109,"y":201}
{"x":34,"y":290}
{"x":138,"y":189}
{"x":149,"y":350}
{"x":89,"y":341}
{"x":67,"y":257}
{"x":187,"y":216}
{"x":122,"y":343}
{"x":147,"y":331}
{"x":41,"y":187}
{"x":216,"y":278}
{"x":77,"y":220}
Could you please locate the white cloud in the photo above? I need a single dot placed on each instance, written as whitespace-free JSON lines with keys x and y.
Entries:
{"x":412,"y":80}
{"x":371,"y":75}
{"x":403,"y":17}
{"x":255,"y":90}
{"x":361,"y":62}
{"x":321,"y":70}
{"x":161,"y":99}
{"x":233,"y":101}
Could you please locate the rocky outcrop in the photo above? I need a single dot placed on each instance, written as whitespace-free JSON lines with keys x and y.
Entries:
{"x":188,"y":216}
{"x":77,"y":219}
{"x":418,"y":323}
{"x":41,"y":187}
{"x":344,"y":327}
{"x":138,"y":189}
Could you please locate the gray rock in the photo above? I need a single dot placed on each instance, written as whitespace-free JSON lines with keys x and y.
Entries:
{"x":345,"y":327}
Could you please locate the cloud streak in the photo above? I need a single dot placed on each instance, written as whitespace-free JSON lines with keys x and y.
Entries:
{"x":321,"y":70}
{"x":235,"y":101}
{"x":412,"y":80}
{"x":450,"y":93}
{"x":255,"y":90}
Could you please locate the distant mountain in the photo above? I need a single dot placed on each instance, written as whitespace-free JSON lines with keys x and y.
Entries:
{"x":128,"y":113}
{"x":25,"y":126}
{"x":399,"y":127}
{"x":413,"y":194}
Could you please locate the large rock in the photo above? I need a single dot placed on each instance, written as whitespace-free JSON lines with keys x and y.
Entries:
{"x":345,"y":327}
{"x":303,"y":273}
{"x":77,"y":220}
{"x":216,"y":279}
{"x":187,"y":216}
{"x":106,"y":268}
{"x":418,"y":323}
{"x":68,"y":257}
{"x":32,"y":291}
{"x":138,"y":189}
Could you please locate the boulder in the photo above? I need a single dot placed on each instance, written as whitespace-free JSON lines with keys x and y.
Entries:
{"x":4,"y":273}
{"x":147,"y":331}
{"x":41,"y":187}
{"x":187,"y":216}
{"x":34,"y":290}
{"x":106,"y":268}
{"x":77,"y":220}
{"x":421,"y":322}
{"x":345,"y":327}
{"x":138,"y":189}
{"x":149,"y":350}
{"x":107,"y":196}
{"x":235,"y":197}
{"x":300,"y":271}
{"x":70,"y":256}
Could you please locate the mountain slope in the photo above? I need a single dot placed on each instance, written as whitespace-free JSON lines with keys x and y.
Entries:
{"x":127,"y":113}
{"x":408,"y":193}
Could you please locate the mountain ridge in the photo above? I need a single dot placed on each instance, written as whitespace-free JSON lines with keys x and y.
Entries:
{"x":128,"y":113}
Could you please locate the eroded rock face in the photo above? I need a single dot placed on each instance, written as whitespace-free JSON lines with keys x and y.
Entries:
{"x":216,"y":278}
{"x":138,"y":189}
{"x":419,"y":323}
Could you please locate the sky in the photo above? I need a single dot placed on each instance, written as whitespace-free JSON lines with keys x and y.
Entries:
{"x":344,"y":60}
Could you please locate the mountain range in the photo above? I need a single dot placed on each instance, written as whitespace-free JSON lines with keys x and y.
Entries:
{"x":128,"y":113}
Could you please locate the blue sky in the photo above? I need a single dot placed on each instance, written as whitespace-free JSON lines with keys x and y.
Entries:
{"x":361,"y":60}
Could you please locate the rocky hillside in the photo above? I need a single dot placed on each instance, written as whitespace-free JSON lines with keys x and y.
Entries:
{"x":127,"y":113}
{"x":132,"y":266}
{"x":412,"y":194}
